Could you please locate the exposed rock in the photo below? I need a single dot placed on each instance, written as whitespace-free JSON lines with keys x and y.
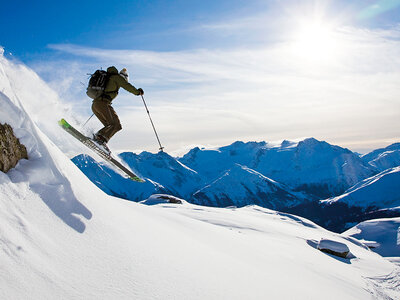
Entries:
{"x":162,"y":198}
{"x":333,"y":247}
{"x":11,"y":150}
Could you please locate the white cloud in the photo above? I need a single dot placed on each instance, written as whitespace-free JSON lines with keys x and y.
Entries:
{"x":265,"y":93}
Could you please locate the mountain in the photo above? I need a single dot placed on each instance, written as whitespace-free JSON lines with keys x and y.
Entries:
{"x":62,"y":237}
{"x":241,"y":186}
{"x":312,"y":166}
{"x":211,"y":163}
{"x":166,"y":171}
{"x":306,"y":170}
{"x":113,"y":183}
{"x":384,"y":158}
{"x":379,"y":191}
{"x":374,"y":197}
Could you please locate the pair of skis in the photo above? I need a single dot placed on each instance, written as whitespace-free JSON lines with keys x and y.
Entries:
{"x":88,"y":142}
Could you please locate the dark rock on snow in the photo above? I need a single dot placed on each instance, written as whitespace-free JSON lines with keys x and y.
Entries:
{"x":11,"y":150}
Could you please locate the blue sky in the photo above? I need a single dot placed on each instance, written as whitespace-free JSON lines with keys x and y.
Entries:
{"x":28,"y":27}
{"x":219,"y":71}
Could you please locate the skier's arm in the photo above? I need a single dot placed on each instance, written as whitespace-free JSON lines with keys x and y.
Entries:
{"x":127,"y":86}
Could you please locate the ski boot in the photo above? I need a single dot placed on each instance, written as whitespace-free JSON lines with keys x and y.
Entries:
{"x":101,"y":143}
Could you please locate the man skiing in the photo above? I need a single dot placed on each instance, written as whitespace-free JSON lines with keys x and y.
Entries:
{"x":103,"y":110}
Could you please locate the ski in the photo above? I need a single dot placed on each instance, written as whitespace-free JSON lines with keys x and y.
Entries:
{"x":90,"y":144}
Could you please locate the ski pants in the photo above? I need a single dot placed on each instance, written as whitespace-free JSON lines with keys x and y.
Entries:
{"x":108,"y":117}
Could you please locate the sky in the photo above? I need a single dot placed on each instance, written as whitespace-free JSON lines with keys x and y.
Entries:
{"x":215,"y":72}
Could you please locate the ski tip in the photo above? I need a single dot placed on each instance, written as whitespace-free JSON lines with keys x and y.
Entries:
{"x":137,"y":179}
{"x":63,"y":123}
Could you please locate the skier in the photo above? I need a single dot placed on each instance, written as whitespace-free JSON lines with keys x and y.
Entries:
{"x":103,"y":110}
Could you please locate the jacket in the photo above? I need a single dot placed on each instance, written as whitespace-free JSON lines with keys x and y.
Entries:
{"x":115,"y":82}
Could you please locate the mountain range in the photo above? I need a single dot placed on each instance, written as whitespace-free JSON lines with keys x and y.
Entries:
{"x":328,"y":184}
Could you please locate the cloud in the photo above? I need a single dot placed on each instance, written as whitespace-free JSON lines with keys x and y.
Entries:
{"x":378,"y":7}
{"x":268,"y":92}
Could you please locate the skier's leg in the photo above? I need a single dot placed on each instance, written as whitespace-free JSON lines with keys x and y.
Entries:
{"x":115,"y":125}
{"x":107,"y":116}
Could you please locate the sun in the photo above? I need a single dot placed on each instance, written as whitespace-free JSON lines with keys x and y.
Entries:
{"x":315,"y":40}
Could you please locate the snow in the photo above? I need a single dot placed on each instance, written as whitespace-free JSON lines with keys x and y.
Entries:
{"x":165,"y":170}
{"x":61,"y":237}
{"x":379,"y":191}
{"x":382,"y":235}
{"x":241,"y":186}
{"x":333,"y":246}
{"x":312,"y":166}
{"x":384,"y":158}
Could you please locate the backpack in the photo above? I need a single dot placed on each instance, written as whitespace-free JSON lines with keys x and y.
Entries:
{"x":97,"y":84}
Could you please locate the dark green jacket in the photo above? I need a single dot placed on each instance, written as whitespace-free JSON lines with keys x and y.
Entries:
{"x":115,"y":82}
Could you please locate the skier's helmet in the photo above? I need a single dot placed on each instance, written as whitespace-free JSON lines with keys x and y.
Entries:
{"x":124,"y":73}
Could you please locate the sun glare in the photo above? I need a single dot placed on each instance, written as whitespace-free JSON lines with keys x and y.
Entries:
{"x":315,"y":41}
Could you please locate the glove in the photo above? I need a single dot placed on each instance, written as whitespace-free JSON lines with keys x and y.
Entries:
{"x":141,"y":92}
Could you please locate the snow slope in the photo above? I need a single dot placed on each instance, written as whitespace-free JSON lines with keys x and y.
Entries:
{"x":61,"y":237}
{"x":241,"y":186}
{"x":165,"y":170}
{"x":384,"y":158}
{"x":379,"y":191}
{"x":113,"y":183}
{"x":383,"y":235}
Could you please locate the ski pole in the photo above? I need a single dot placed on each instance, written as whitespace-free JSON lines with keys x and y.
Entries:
{"x":87,"y":120}
{"x":152,"y":124}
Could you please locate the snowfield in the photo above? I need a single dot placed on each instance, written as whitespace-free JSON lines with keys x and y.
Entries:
{"x":61,"y":237}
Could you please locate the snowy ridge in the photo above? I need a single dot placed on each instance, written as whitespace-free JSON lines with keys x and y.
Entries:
{"x":315,"y":167}
{"x":384,"y":158}
{"x":165,"y":170}
{"x":241,"y":186}
{"x":379,"y":191}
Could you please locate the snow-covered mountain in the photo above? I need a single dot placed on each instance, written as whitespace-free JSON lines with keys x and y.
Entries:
{"x":165,"y":170}
{"x":379,"y":191}
{"x":212,"y":163}
{"x":113,"y":183}
{"x":61,"y":237}
{"x":313,"y":166}
{"x":384,"y":158}
{"x":241,"y":186}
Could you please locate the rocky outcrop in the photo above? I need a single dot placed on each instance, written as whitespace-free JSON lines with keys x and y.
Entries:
{"x":11,"y":150}
{"x":333,"y":247}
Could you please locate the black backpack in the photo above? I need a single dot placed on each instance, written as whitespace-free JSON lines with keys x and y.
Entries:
{"x":97,"y":84}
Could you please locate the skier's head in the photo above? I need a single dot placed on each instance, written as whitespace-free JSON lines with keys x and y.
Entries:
{"x":124,"y":73}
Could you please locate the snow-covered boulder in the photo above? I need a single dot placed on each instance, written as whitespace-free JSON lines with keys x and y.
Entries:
{"x":162,"y":199}
{"x":333,"y":247}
